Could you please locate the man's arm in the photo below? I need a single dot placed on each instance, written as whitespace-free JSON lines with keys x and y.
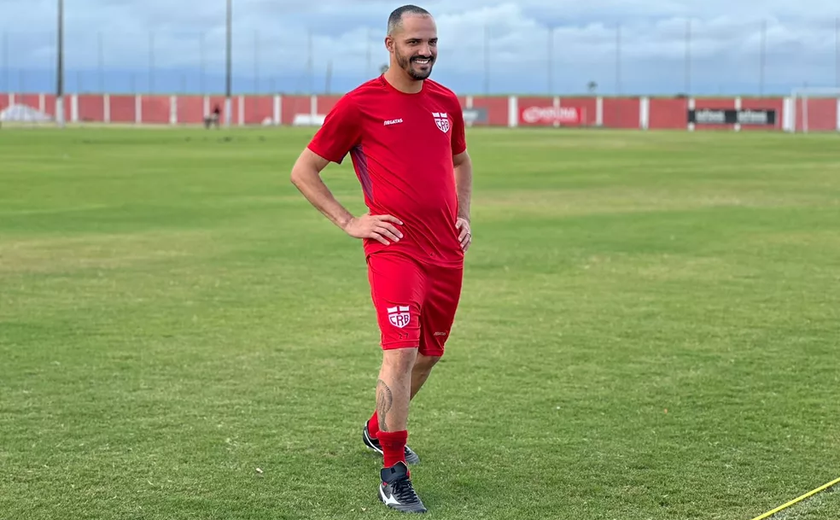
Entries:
{"x":463,"y":184}
{"x":306,"y":176}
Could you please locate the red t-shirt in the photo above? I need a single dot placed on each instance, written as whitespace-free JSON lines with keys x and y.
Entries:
{"x":402,"y":147}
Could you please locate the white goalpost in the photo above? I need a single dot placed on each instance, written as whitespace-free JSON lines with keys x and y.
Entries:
{"x":18,"y":114}
{"x":814,"y":109}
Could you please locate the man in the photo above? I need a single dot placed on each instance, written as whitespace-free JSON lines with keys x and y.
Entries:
{"x":214,"y":118}
{"x":405,"y":134}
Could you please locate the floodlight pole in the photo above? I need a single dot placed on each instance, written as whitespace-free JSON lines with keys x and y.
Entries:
{"x":486,"y":60}
{"x":228,"y":107}
{"x":688,"y":57}
{"x":550,"y":60}
{"x":618,"y":59}
{"x":762,"y":59}
{"x":59,"y":87}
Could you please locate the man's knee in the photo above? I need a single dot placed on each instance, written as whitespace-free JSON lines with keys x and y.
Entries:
{"x":400,"y":360}
{"x":425,"y":363}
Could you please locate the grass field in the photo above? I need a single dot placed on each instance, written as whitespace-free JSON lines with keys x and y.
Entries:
{"x":649,"y":330}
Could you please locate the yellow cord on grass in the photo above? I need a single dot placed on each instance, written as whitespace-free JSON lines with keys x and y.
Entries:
{"x":795,"y":500}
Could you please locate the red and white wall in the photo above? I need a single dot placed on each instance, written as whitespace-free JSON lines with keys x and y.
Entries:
{"x":818,"y":114}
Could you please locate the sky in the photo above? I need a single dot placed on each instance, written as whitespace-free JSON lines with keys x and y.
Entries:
{"x":626,"y":47}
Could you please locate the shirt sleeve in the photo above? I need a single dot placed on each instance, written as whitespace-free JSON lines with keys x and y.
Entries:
{"x":340,"y":132}
{"x":459,"y":138}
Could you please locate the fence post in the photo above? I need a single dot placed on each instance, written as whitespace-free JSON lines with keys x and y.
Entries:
{"x":838,"y":114}
{"x":513,"y":111}
{"x":691,"y":106}
{"x":173,"y":110}
{"x":599,"y":111}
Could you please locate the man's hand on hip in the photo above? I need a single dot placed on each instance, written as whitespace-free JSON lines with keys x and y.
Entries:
{"x":377,"y":227}
{"x":465,"y":237}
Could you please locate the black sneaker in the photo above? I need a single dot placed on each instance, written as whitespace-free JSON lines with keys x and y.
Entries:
{"x":373,"y":444}
{"x":396,"y":490}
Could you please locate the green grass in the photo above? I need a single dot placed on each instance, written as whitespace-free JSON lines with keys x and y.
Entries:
{"x":648,"y":330}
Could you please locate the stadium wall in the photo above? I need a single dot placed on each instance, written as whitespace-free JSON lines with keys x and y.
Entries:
{"x":772,"y":113}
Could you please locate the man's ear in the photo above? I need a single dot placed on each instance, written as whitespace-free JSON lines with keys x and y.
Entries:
{"x":389,"y":43}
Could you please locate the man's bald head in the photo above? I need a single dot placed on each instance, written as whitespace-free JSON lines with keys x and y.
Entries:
{"x":412,"y":42}
{"x":395,"y":21}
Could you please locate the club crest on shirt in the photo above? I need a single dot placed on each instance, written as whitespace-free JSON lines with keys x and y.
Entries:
{"x":442,"y":121}
{"x":399,"y":316}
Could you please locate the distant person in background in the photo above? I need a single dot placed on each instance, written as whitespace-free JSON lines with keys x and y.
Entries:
{"x":213,"y":118}
{"x":406,"y":136}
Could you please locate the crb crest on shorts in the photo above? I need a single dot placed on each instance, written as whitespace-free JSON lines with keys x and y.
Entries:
{"x":399,"y":316}
{"x":442,"y":121}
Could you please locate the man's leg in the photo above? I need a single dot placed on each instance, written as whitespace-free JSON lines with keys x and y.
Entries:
{"x":398,"y":288}
{"x":420,"y":372}
{"x":393,"y":393}
{"x":440,"y":304}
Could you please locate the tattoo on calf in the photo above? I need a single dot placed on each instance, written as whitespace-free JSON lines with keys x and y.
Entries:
{"x":384,"y":400}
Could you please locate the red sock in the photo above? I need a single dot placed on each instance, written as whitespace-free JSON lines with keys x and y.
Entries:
{"x":393,"y":446}
{"x":373,"y":426}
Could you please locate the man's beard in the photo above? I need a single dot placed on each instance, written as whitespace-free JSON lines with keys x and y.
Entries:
{"x":406,"y":65}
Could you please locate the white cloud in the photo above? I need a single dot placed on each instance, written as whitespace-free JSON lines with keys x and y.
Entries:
{"x":725,"y":40}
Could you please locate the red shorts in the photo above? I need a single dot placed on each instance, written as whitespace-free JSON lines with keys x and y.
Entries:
{"x":415,"y":303}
